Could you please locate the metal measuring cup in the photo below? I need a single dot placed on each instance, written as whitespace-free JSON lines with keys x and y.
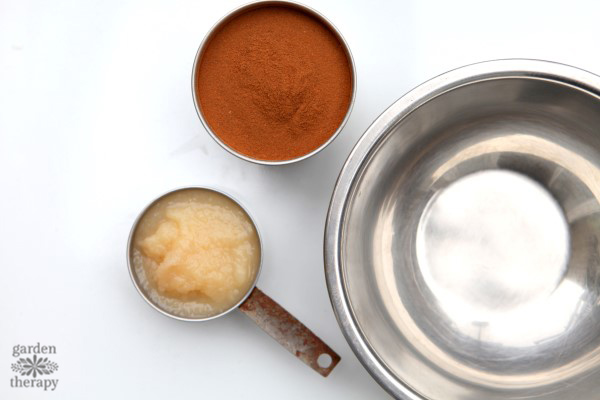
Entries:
{"x":260,"y":308}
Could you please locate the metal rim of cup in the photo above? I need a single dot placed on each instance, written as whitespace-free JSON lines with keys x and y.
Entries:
{"x":133,"y":274}
{"x":259,"y":4}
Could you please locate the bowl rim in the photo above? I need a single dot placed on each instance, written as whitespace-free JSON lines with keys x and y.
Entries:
{"x":366,"y":147}
{"x":260,"y":4}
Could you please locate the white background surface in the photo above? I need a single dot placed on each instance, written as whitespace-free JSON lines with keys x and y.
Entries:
{"x":96,"y":119}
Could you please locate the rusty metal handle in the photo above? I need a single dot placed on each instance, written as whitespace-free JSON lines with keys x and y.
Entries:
{"x":289,"y":332}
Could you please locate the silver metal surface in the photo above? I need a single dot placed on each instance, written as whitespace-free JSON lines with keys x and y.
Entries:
{"x":462,"y":244}
{"x":252,"y":6}
{"x":135,"y":278}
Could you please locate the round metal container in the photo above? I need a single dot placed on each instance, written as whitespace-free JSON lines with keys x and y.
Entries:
{"x":462,"y":244}
{"x":140,"y":286}
{"x":251,"y":6}
{"x":256,"y":305}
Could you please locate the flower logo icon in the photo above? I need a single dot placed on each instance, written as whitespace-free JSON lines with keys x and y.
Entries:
{"x":34,"y":366}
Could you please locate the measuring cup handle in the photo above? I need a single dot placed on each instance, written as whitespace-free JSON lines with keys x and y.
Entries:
{"x":289,"y":332}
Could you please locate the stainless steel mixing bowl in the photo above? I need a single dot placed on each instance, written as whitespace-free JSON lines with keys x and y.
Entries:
{"x":462,"y":244}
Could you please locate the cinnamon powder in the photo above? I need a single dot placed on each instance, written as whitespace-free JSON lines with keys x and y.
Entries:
{"x":274,"y":83}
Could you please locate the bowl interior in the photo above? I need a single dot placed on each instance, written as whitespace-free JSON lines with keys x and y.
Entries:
{"x":470,"y":251}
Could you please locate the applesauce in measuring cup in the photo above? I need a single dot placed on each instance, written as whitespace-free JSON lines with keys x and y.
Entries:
{"x":196,"y":252}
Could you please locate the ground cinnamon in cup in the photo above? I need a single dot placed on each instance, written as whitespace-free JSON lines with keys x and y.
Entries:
{"x":274,"y":83}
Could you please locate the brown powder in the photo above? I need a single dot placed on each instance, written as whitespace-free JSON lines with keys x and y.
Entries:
{"x":274,"y":83}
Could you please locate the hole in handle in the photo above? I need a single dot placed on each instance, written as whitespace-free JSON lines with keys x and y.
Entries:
{"x":324,"y":360}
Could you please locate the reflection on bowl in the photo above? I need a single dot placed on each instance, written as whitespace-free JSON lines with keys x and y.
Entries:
{"x":463,"y":239}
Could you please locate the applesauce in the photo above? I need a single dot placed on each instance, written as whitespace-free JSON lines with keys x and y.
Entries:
{"x":196,"y":253}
